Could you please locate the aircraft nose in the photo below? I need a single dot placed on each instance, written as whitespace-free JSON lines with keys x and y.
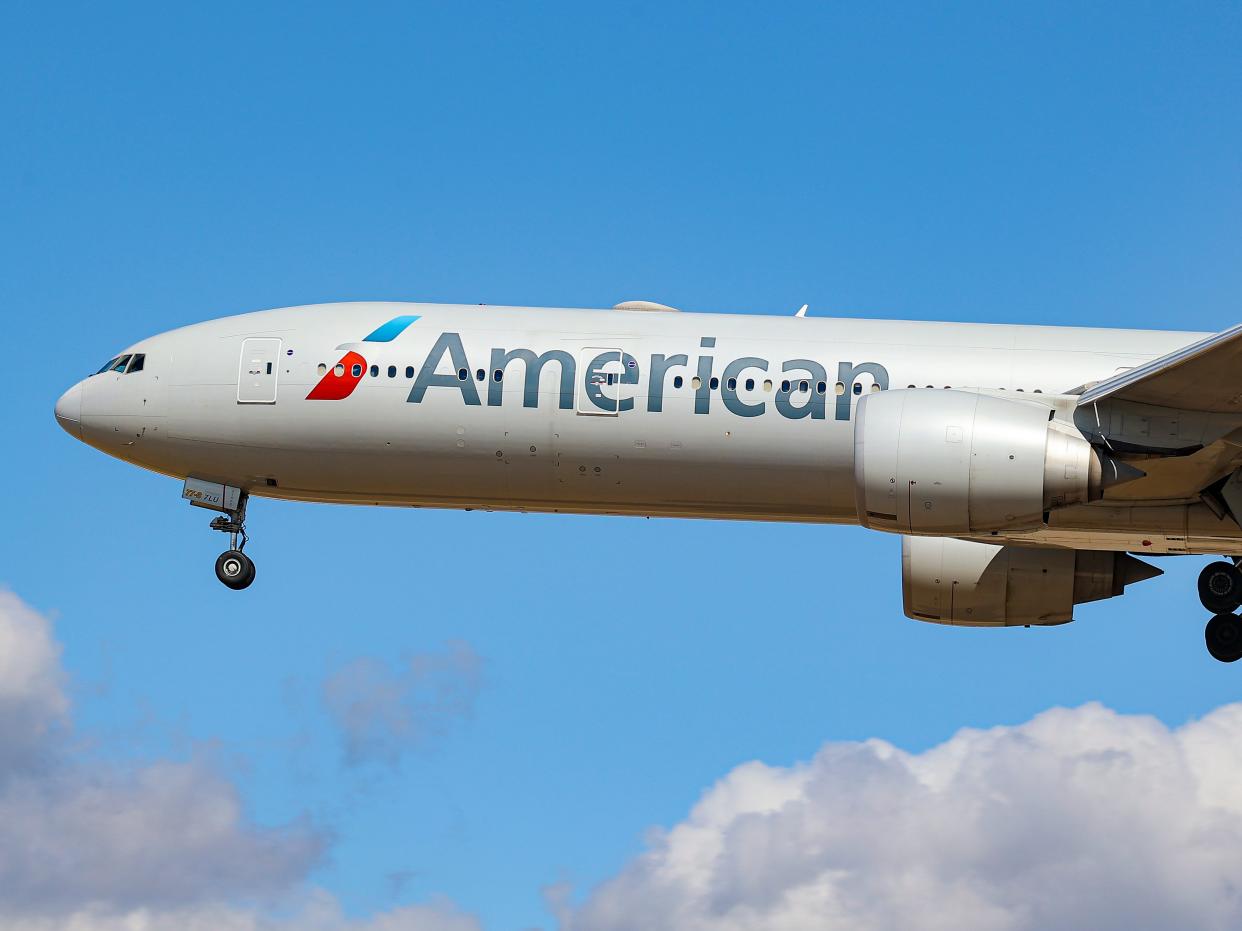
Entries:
{"x":69,"y":411}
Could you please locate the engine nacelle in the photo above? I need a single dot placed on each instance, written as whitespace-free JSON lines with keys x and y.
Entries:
{"x":948,"y":581}
{"x":955,"y":462}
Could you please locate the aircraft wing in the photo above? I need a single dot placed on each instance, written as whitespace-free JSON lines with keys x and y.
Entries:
{"x":1204,"y":376}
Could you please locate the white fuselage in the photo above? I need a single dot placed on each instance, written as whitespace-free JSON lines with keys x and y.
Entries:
{"x":631,"y":412}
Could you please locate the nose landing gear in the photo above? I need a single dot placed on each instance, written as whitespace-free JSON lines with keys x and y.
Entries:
{"x":1220,"y":590}
{"x":233,"y":567}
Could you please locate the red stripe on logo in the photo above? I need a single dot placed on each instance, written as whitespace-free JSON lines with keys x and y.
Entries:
{"x":334,"y":387}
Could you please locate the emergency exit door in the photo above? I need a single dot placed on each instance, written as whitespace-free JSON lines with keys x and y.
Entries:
{"x":260,"y":368}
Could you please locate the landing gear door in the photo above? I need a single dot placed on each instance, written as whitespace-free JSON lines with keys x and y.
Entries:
{"x":260,"y":368}
{"x":599,"y":381}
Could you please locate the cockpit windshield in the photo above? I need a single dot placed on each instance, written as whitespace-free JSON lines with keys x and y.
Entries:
{"x":130,"y":362}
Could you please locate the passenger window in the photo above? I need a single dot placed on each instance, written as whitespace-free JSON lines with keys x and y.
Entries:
{"x":392,"y":371}
{"x":804,"y":386}
{"x":857,"y":387}
{"x":323,"y":368}
{"x":480,"y":375}
{"x":696,"y":383}
{"x":356,"y":371}
{"x":785,"y":386}
{"x":839,"y":388}
{"x":767,"y":384}
{"x":678,"y":381}
{"x":715,"y":383}
{"x":121,"y":363}
{"x":874,"y":387}
{"x":462,"y":375}
{"x":732,"y":384}
{"x":338,"y":370}
{"x":497,"y":375}
{"x":375,"y":371}
{"x":136,"y":363}
{"x":750,"y":384}
{"x":409,"y":371}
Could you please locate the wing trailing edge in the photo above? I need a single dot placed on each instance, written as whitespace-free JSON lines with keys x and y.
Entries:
{"x":1204,"y":376}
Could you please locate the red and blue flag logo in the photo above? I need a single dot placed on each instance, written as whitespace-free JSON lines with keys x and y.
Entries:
{"x":340,"y":381}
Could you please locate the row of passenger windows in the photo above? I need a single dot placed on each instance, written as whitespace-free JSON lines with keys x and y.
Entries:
{"x":950,"y":388}
{"x":787,"y":386}
{"x":128,"y":364}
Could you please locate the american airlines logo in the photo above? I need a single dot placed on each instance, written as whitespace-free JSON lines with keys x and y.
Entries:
{"x":746,"y":386}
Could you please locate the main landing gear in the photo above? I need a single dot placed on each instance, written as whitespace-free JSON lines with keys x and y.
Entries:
{"x":1220,"y":590}
{"x":233,"y":567}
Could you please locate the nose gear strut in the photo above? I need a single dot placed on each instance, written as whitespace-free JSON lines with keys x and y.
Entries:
{"x":233,"y":567}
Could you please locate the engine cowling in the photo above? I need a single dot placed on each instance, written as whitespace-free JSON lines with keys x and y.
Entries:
{"x":956,"y":462}
{"x":949,"y":581}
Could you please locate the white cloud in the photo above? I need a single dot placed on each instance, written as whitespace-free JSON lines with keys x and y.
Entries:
{"x":383,"y":712}
{"x":319,"y":911}
{"x":33,"y":705}
{"x":162,"y":833}
{"x":89,"y":846}
{"x":1079,"y":818}
{"x":75,"y":831}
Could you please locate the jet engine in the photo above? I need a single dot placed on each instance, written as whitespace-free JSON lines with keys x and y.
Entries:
{"x":950,"y":581}
{"x":955,"y":462}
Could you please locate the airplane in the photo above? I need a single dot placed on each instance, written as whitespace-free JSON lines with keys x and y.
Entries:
{"x":1025,"y":468}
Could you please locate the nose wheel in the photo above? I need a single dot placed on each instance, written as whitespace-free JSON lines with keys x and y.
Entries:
{"x":235,"y":569}
{"x":1220,"y":590}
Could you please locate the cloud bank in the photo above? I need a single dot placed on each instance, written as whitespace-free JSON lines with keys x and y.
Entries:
{"x":1079,"y":818}
{"x":88,"y":846}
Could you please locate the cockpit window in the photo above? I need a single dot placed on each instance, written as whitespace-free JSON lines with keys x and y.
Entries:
{"x":106,"y":366}
{"x":136,"y":363}
{"x":121,"y":363}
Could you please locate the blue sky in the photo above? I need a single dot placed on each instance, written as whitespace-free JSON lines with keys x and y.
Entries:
{"x":1035,"y":164}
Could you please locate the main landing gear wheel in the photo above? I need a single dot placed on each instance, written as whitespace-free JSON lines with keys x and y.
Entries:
{"x":235,"y":569}
{"x":1220,"y":587}
{"x":1224,"y":637}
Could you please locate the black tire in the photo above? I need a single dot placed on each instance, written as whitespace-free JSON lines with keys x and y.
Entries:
{"x":235,"y":569}
{"x":1220,"y":587}
{"x":1223,"y":635}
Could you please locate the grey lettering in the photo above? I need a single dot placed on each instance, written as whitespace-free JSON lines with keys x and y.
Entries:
{"x":660,"y":364}
{"x":534,"y":368}
{"x":731,"y":372}
{"x":814,"y":406}
{"x":427,"y":378}
{"x":847,"y":374}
